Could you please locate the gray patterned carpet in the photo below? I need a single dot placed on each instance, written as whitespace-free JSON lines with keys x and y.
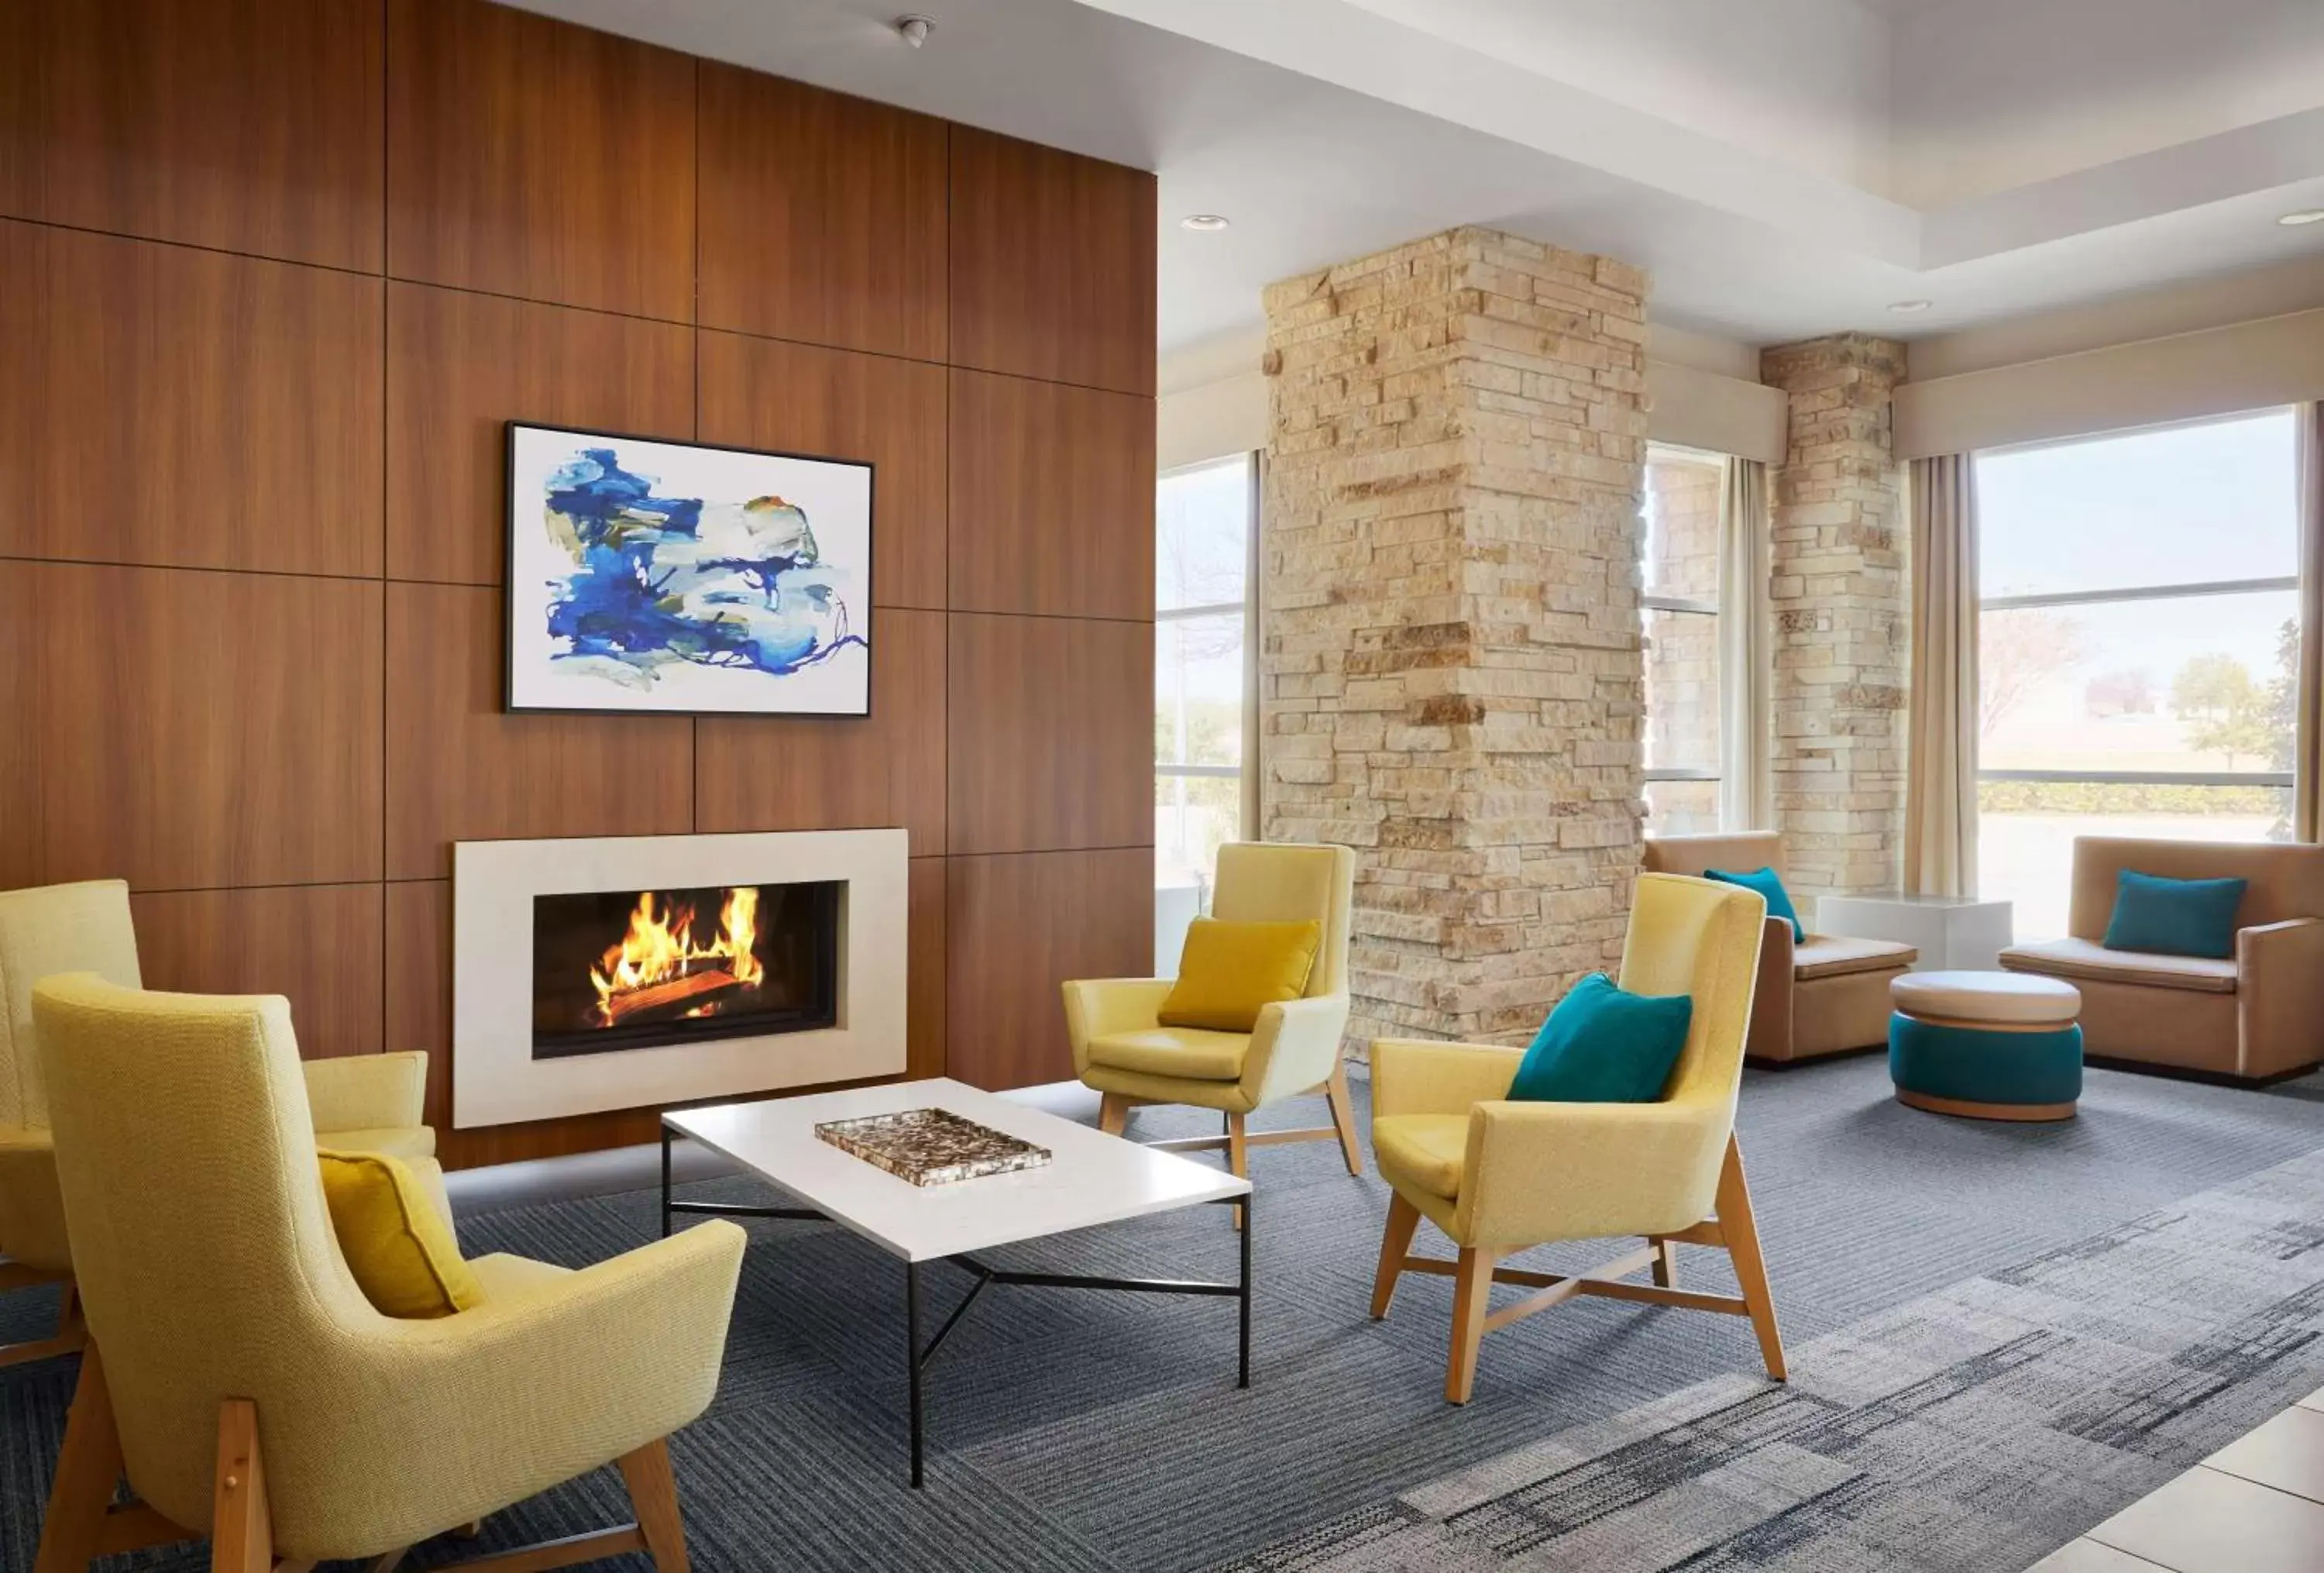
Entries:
{"x":1103,"y":1432}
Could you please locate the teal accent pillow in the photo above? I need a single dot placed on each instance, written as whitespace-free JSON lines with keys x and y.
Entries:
{"x":1603,"y":1045}
{"x":2174,"y":917}
{"x":1768,"y":883}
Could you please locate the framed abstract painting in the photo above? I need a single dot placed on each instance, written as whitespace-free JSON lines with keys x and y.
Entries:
{"x":676,"y":579}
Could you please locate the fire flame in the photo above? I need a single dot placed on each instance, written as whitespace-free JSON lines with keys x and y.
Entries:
{"x":661,"y":945}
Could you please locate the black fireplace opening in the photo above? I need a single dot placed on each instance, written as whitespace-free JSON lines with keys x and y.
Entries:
{"x":639,"y":969}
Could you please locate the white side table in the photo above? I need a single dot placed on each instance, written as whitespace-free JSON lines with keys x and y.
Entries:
{"x":1953,"y":933}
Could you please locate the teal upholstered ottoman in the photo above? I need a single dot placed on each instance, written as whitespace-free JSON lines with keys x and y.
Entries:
{"x":1986,"y":1045}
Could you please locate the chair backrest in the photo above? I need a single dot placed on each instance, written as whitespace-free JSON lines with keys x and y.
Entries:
{"x":1740,"y":853}
{"x":1700,"y":939}
{"x":1288,"y":882}
{"x":2287,"y":878}
{"x":202,"y":1245}
{"x":46,"y":931}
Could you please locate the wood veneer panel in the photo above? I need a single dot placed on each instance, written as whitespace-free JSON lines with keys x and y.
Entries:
{"x":823,"y":215}
{"x":796,"y":398}
{"x":1052,"y":498}
{"x":460,"y":366}
{"x":924,"y":1010}
{"x":180,"y":407}
{"x":842,"y":773}
{"x":319,"y":944}
{"x":184,"y":730}
{"x":1051,"y":731}
{"x":1053,"y":269}
{"x":249,"y":125}
{"x":461,"y":769}
{"x":1016,"y":927}
{"x":531,"y":157}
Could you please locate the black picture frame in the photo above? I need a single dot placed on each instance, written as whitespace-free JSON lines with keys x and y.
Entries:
{"x":509,"y":574}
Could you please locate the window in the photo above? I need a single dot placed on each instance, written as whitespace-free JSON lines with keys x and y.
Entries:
{"x":2138,"y":647}
{"x":1203,"y":554}
{"x":1682,"y":755}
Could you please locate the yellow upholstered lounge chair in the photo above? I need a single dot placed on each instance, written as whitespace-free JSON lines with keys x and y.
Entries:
{"x":244,"y":1384}
{"x":1122,"y":1052}
{"x":1500,"y":1176}
{"x":368,"y":1103}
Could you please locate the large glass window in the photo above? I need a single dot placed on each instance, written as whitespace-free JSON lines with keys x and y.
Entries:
{"x":2138,"y":647}
{"x":1683,"y":757}
{"x":1204,"y":517}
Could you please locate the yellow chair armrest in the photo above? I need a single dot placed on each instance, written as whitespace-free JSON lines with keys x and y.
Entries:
{"x":1095,"y":1006}
{"x":1541,"y":1171}
{"x":32,"y":1206}
{"x":366,"y":1092}
{"x":1294,"y":1046}
{"x":553,"y":1381}
{"x":1413,"y":1075}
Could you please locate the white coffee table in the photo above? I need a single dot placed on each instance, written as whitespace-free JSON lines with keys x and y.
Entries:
{"x":1953,"y":933}
{"x":1091,"y":1178}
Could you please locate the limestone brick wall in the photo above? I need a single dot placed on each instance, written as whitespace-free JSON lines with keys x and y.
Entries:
{"x":1450,"y":672}
{"x":1842,"y":621}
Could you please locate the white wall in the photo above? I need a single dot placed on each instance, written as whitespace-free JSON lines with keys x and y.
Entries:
{"x":1994,"y":94}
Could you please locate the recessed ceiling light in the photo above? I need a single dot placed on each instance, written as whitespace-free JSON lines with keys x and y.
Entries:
{"x":1906,"y":307}
{"x":1205,"y":222}
{"x":2305,"y":215}
{"x":914,"y":28}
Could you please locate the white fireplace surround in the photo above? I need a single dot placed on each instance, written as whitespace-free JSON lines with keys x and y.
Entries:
{"x":495,"y":1079}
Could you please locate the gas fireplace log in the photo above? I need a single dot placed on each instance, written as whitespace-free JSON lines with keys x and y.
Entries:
{"x":669,"y":991}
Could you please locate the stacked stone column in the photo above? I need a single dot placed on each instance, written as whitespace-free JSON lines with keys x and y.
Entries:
{"x":1450,"y":680}
{"x":1841,"y":620}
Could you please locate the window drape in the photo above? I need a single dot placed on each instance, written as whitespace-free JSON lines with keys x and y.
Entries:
{"x":2307,"y":742}
{"x":1746,"y":786}
{"x":1941,"y":717}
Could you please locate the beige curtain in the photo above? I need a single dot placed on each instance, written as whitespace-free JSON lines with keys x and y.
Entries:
{"x":1941,"y":722}
{"x":1746,"y":786}
{"x":2308,"y":758}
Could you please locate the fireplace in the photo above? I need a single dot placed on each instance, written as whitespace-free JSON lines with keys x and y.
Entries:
{"x":620,"y":970}
{"x":626,"y":972}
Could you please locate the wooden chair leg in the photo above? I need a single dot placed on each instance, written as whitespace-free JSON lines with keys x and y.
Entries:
{"x":89,"y":1468}
{"x":1666,"y":1263}
{"x":653,"y":1497}
{"x":1112,"y":1113}
{"x":1395,"y":1245}
{"x":242,"y":1537}
{"x":1473,"y":1284}
{"x":1741,"y":1231}
{"x":1343,"y":1117}
{"x":1238,"y":1156}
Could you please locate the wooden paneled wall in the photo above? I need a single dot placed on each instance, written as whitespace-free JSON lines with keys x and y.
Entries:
{"x":273,"y":273}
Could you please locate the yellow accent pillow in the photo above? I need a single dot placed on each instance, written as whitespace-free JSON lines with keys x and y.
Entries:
{"x":1228,"y":971}
{"x":397,"y":1244}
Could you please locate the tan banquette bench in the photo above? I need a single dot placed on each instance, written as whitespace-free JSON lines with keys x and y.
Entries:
{"x":1821,"y":995}
{"x":2257,"y":1015}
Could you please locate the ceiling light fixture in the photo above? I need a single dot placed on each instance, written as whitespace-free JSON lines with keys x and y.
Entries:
{"x":1906,"y":307}
{"x":915,"y":28}
{"x":1205,"y":222}
{"x":2305,"y":215}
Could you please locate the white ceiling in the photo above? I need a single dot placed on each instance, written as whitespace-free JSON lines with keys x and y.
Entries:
{"x":1785,"y":169}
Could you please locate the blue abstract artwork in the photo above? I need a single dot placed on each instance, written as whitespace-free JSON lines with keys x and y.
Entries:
{"x":673,"y":579}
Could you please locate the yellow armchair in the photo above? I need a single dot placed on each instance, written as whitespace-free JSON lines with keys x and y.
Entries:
{"x":362,"y":1102}
{"x":241,"y":1380}
{"x":1499,"y":1176}
{"x":1123,"y":1052}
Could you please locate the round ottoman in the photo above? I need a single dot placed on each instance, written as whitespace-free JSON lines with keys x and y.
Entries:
{"x":1986,"y":1045}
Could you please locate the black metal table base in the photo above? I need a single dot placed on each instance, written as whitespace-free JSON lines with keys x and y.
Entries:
{"x":919,"y":1356}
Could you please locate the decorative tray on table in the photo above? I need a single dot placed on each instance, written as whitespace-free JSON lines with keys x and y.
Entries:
{"x":931,"y":1146}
